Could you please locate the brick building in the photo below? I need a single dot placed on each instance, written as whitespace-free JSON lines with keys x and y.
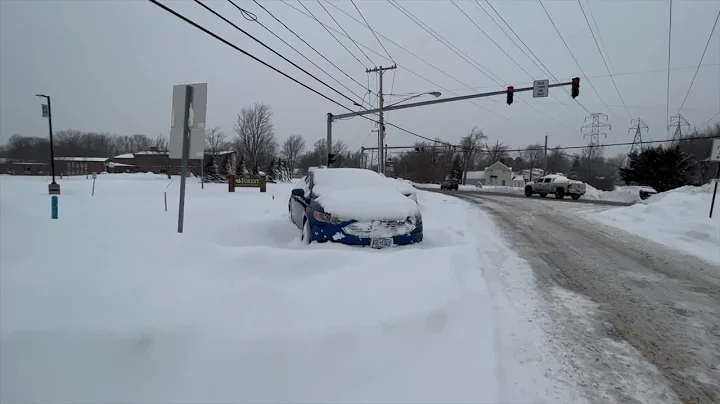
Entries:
{"x":80,"y":165}
{"x":159,"y":162}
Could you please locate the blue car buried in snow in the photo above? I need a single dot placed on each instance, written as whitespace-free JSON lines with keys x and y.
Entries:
{"x":356,"y":207}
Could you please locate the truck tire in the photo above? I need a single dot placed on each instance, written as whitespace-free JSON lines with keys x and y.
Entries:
{"x":543,"y":195}
{"x":560,"y":193}
{"x":575,"y":196}
{"x":528,"y":191}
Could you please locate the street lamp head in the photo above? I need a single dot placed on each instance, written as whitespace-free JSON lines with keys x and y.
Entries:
{"x":435,"y":93}
{"x":41,"y":95}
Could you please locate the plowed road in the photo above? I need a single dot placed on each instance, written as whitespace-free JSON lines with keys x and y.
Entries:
{"x":664,"y":303}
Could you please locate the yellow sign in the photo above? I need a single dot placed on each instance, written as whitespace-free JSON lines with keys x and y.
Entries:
{"x":247,"y":182}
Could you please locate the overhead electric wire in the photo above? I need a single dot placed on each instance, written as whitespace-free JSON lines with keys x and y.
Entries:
{"x":667,"y":97}
{"x":459,"y":52}
{"x":557,"y":30}
{"x":331,"y":34}
{"x":244,"y":12}
{"x":271,"y":49}
{"x":343,"y":30}
{"x":543,"y":68}
{"x":474,"y":63}
{"x":700,"y":62}
{"x":408,"y":69}
{"x":503,"y":50}
{"x":711,"y":118}
{"x":603,"y":59}
{"x":372,"y":30}
{"x":367,"y":89}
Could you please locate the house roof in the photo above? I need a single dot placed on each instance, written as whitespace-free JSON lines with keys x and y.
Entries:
{"x":124,"y":156}
{"x":499,"y":164}
{"x":112,"y":164}
{"x":85,"y":159}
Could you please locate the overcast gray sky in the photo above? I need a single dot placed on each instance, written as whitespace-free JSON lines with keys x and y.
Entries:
{"x":110,"y":65}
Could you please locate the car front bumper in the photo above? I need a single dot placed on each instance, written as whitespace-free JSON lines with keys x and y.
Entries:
{"x":323,"y":232}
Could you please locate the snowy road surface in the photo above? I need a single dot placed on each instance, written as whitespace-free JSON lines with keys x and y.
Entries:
{"x":666,"y":304}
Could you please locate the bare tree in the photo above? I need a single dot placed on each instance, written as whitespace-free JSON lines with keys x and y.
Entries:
{"x":255,"y":132}
{"x":215,"y":141}
{"x":292,"y":147}
{"x":471,"y":147}
{"x":533,"y":156}
{"x":496,"y":152}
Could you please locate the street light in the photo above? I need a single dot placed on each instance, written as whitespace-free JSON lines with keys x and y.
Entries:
{"x":433,"y":93}
{"x":54,"y":187}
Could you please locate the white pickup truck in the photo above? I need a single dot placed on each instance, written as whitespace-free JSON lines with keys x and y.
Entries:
{"x":558,"y":185}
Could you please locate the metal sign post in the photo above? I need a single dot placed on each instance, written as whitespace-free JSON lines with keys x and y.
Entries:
{"x":540,"y":88}
{"x":715,"y":157}
{"x":185,"y":157}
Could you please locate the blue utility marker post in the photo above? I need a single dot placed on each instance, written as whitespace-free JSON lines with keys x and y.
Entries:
{"x":54,"y":206}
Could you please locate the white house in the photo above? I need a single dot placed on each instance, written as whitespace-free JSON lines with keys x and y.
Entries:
{"x":498,"y":174}
{"x":518,"y":181}
{"x":475,"y":177}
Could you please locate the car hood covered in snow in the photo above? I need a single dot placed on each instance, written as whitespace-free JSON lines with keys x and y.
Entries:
{"x":365,"y":203}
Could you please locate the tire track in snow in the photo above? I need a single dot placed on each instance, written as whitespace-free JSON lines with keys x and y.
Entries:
{"x":666,"y":305}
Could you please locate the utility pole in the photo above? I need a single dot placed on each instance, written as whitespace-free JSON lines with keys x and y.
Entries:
{"x":595,"y":126}
{"x":382,"y":153}
{"x":545,"y":170}
{"x":53,"y":187}
{"x":638,"y":125}
{"x":678,"y":121}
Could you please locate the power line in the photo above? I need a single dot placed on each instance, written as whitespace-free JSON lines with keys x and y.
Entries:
{"x":460,"y":53}
{"x":542,"y":69}
{"x":245,"y":12}
{"x":343,"y":30}
{"x":331,"y":34}
{"x":587,"y":146}
{"x":603,"y":58}
{"x":373,"y":32}
{"x":408,"y":69}
{"x":272,"y":50}
{"x":557,"y":30}
{"x":711,"y":118}
{"x":474,"y":63}
{"x":367,"y":89}
{"x":700,"y":62}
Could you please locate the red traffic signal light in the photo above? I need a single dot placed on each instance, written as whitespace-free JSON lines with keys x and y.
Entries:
{"x":510,"y":94}
{"x":575,"y":87}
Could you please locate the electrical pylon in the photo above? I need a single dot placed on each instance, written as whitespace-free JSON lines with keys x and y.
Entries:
{"x":678,"y":121}
{"x":595,"y":127}
{"x":638,"y":125}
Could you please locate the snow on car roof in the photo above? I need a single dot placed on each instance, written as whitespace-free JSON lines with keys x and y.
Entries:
{"x":343,"y":177}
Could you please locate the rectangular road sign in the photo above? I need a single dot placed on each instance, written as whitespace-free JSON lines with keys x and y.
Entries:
{"x":198,"y":108}
{"x":715,"y":153}
{"x":540,"y":88}
{"x":45,"y":111}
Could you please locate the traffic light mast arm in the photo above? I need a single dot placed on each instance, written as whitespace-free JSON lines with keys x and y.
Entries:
{"x":442,"y":100}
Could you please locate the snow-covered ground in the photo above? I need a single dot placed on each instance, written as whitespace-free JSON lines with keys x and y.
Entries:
{"x":110,"y":304}
{"x":677,"y":218}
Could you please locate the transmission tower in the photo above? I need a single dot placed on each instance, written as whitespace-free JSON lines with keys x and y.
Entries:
{"x":595,"y":126}
{"x":679,"y":122}
{"x":638,"y":125}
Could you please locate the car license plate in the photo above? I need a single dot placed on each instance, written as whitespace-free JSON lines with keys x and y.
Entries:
{"x":381,"y":242}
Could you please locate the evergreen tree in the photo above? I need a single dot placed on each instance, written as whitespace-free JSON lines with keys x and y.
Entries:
{"x":660,"y":168}
{"x":240,"y":168}
{"x":456,"y":171}
{"x":211,"y":171}
{"x":224,"y":170}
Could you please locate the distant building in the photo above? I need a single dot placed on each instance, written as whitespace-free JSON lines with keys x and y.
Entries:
{"x":19,"y":167}
{"x":159,"y":162}
{"x":498,"y":174}
{"x":518,"y":181}
{"x":475,"y":177}
{"x":80,"y":165}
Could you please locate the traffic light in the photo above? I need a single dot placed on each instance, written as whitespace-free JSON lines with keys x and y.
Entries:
{"x":510,"y":94}
{"x":331,"y":158}
{"x":575,"y":87}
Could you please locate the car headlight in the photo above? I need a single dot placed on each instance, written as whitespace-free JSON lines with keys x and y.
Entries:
{"x":327,"y":218}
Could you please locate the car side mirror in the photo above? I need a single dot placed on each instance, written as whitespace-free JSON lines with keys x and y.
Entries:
{"x":298,"y":192}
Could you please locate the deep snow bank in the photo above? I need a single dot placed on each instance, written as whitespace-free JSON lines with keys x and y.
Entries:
{"x":110,"y":304}
{"x":677,"y":218}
